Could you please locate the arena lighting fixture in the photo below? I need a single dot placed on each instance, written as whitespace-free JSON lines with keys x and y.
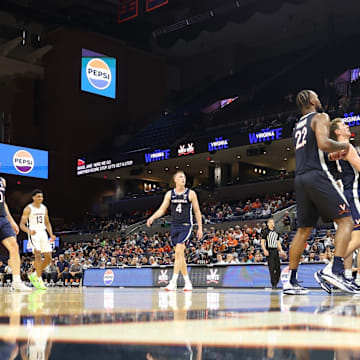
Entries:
{"x":201,"y":172}
{"x":177,"y":167}
{"x":166,"y":169}
{"x":265,"y":152}
{"x":149,"y":172}
{"x":23,"y":35}
{"x":255,"y":170}
{"x":264,"y":172}
{"x":238,"y":156}
{"x":187,"y":165}
{"x":285,"y":159}
{"x":287,"y":149}
{"x":118,"y":177}
{"x":212,"y":161}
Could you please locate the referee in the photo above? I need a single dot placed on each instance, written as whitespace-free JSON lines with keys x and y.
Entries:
{"x":271,"y":247}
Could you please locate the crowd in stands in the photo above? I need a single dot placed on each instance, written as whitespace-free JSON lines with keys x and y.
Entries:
{"x":213,"y":212}
{"x":237,"y":244}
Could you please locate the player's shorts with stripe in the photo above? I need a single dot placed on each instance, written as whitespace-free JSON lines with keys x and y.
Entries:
{"x":40,"y":242}
{"x":318,"y":195}
{"x":354,"y":203}
{"x":180,"y":233}
{"x":6,"y":229}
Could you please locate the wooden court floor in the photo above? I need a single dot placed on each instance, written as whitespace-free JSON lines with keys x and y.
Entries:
{"x":105,"y":323}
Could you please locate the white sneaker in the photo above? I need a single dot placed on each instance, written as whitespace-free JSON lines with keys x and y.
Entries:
{"x":188,"y":286}
{"x":171,"y":287}
{"x":294,"y":289}
{"x":337,"y":280}
{"x":19,"y":286}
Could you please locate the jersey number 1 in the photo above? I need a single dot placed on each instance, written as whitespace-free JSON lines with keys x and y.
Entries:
{"x":179,"y":209}
{"x":300,"y":136}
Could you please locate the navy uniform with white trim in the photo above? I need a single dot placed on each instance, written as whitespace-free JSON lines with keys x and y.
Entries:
{"x":350,"y":181}
{"x":181,"y":216}
{"x":6,"y":229}
{"x":317,"y":193}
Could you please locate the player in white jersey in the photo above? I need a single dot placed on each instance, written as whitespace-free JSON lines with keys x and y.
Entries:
{"x":35,"y":222}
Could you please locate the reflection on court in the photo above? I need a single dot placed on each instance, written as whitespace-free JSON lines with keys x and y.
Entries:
{"x":153,"y":324}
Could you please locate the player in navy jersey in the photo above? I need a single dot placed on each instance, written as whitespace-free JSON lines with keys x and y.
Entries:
{"x":8,"y":231}
{"x":349,"y":168}
{"x":182,"y":202}
{"x":317,"y":193}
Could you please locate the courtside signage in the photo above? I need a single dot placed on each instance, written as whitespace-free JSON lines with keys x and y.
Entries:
{"x":265,"y":135}
{"x":23,"y":161}
{"x":98,"y":74}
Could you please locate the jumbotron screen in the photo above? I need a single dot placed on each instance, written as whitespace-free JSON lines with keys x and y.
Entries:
{"x":22,"y":161}
{"x":98,"y":74}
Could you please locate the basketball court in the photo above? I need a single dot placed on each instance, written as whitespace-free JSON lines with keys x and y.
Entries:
{"x":149,"y":323}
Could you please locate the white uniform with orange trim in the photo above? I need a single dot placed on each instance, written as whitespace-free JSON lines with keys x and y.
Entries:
{"x":36,"y":222}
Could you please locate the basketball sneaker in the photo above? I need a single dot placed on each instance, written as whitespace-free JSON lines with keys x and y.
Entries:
{"x":19,"y":286}
{"x":188,"y":286}
{"x":41,"y":285}
{"x":33,"y":279}
{"x":294,"y":289}
{"x":171,"y":287}
{"x":323,"y":283}
{"x":337,"y":280}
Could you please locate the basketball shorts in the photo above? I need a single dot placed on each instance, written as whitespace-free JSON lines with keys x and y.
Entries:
{"x":6,"y":229}
{"x":40,"y":241}
{"x":318,"y":195}
{"x":180,"y":234}
{"x":354,"y":203}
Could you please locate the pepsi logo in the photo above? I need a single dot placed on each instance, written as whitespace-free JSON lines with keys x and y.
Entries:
{"x":108,"y":277}
{"x":285,"y":275}
{"x":23,"y":161}
{"x":98,"y":73}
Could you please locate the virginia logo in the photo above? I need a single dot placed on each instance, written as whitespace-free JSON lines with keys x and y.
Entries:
{"x":343,"y":210}
{"x":163,"y":277}
{"x":213,"y":277}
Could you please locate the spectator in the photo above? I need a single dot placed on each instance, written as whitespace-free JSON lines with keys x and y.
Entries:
{"x":76,"y":272}
{"x":230,"y":259}
{"x":63,"y":269}
{"x":152,"y":261}
{"x":50,"y":273}
{"x":286,"y":222}
{"x":219,"y":260}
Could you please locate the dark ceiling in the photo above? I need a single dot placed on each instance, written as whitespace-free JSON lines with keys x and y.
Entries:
{"x":179,"y":19}
{"x":183,"y":28}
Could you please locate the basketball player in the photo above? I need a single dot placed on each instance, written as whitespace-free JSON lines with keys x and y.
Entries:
{"x":35,"y":222}
{"x":8,"y":231}
{"x":317,"y":193}
{"x":182,"y":201}
{"x":271,"y":246}
{"x":350,"y":168}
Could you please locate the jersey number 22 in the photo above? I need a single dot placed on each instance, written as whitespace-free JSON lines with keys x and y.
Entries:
{"x":300,"y":136}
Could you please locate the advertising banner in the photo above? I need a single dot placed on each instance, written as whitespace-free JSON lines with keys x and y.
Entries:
{"x":229,"y":276}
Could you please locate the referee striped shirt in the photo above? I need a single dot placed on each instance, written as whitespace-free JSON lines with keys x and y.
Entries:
{"x":271,"y":238}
